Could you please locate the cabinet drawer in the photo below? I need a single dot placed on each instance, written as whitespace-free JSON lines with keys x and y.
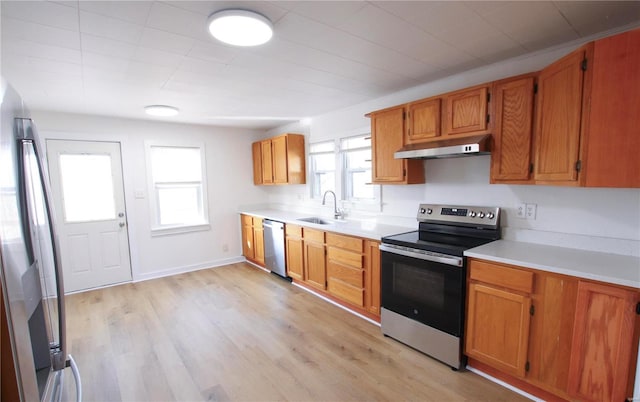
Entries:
{"x":313,"y":235}
{"x":293,"y":230}
{"x":352,"y":276}
{"x":247,"y":220}
{"x":346,"y":292}
{"x":501,"y":275}
{"x":346,"y":242}
{"x":350,"y":258}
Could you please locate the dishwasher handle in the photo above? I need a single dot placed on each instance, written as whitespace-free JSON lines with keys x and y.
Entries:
{"x":272,"y":224}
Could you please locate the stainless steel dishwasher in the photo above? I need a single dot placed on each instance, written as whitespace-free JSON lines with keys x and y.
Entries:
{"x":274,"y":247}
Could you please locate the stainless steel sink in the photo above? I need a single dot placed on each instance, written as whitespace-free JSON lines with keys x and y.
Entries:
{"x":316,"y":220}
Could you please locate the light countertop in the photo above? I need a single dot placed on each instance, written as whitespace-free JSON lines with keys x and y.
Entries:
{"x":611,"y":268}
{"x":369,"y":229}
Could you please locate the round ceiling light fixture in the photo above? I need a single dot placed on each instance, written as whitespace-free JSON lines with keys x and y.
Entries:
{"x":240,"y":27}
{"x":161,"y":110}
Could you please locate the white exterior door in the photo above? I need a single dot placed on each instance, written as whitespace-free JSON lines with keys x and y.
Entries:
{"x":88,"y":196}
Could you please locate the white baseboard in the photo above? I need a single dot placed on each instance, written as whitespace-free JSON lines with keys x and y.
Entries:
{"x":188,"y":268}
{"x":504,"y":384}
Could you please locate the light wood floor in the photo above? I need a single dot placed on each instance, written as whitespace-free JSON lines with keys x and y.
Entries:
{"x":238,"y":333}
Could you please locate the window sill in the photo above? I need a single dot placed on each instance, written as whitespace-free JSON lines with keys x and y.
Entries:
{"x":171,"y":230}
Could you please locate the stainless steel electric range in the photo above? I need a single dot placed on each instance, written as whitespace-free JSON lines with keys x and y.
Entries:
{"x":423,"y":275}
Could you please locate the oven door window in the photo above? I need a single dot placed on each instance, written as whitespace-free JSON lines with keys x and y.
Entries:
{"x":429,"y":292}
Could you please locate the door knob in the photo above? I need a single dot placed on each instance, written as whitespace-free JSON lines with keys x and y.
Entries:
{"x":122,"y":224}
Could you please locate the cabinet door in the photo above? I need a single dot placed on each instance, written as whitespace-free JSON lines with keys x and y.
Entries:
{"x":423,"y":120}
{"x":372,"y":276}
{"x":295,"y":261}
{"x":314,"y":264}
{"x":558,"y":119}
{"x":247,"y":240}
{"x":279,"y":149}
{"x":512,"y":137}
{"x":256,"y":151}
{"x":267,"y":162}
{"x":387,"y":131}
{"x":466,"y":111}
{"x":602,"y":342}
{"x":498,"y":328}
{"x":613,"y":140}
{"x":258,"y":241}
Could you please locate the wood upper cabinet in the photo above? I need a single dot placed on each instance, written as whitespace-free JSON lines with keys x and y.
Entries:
{"x":314,"y":258}
{"x":603,"y":342}
{"x":466,"y":111}
{"x":613,"y":130}
{"x":423,"y":120}
{"x":559,"y":113}
{"x":294,"y":251}
{"x":256,"y":153}
{"x":281,"y":160}
{"x":498,"y":316}
{"x":266,"y":162}
{"x":511,"y":156}
{"x":387,"y":137}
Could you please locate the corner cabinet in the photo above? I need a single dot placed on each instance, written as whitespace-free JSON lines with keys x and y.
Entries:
{"x":279,"y":160}
{"x":555,"y":336}
{"x":387,"y":137}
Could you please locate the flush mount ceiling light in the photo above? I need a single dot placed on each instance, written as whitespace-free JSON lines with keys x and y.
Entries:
{"x":161,"y":110}
{"x":240,"y":27}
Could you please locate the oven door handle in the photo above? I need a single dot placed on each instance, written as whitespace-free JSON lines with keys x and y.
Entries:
{"x":444,"y":259}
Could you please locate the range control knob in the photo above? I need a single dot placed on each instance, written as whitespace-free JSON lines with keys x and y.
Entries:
{"x":480,"y":215}
{"x":472,"y":214}
{"x":490,"y":215}
{"x":422,"y":210}
{"x":429,"y":211}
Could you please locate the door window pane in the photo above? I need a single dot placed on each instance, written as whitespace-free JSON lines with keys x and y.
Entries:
{"x":87,"y":187}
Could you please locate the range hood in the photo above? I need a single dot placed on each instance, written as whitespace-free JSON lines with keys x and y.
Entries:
{"x":446,"y":148}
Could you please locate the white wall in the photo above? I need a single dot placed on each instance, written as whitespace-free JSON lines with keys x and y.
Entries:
{"x":229,"y":176}
{"x":597,"y":219}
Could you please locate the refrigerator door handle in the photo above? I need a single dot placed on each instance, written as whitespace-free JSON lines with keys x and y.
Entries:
{"x":76,"y":376}
{"x":27,"y":128}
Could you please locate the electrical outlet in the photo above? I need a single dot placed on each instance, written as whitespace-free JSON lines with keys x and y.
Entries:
{"x":531,"y":211}
{"x":225,"y":248}
{"x":521,"y":211}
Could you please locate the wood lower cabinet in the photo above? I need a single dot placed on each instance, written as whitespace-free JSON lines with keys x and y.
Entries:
{"x":280,"y":160}
{"x":511,"y":157}
{"x":467,"y":111}
{"x":252,"y":239}
{"x":294,"y":252}
{"x":315,"y":272}
{"x":387,"y":137}
{"x":498,"y":316}
{"x":603,"y":342}
{"x":345,"y":268}
{"x":372,"y":276}
{"x":555,"y":336}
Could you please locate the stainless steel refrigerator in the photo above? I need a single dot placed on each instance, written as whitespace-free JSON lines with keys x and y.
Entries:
{"x":30,"y":271}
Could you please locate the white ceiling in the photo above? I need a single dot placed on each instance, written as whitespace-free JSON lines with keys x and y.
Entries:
{"x":115,"y":57}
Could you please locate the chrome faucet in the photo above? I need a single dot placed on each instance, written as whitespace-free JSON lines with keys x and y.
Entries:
{"x":336,"y":213}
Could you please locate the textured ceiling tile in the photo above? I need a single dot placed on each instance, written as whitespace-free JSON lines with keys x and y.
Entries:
{"x":42,"y":12}
{"x":110,"y":28}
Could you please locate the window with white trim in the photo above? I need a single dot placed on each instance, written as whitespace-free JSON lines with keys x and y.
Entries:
{"x":344,"y":166}
{"x":177,"y":187}
{"x":356,"y":159}
{"x":322,"y":162}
